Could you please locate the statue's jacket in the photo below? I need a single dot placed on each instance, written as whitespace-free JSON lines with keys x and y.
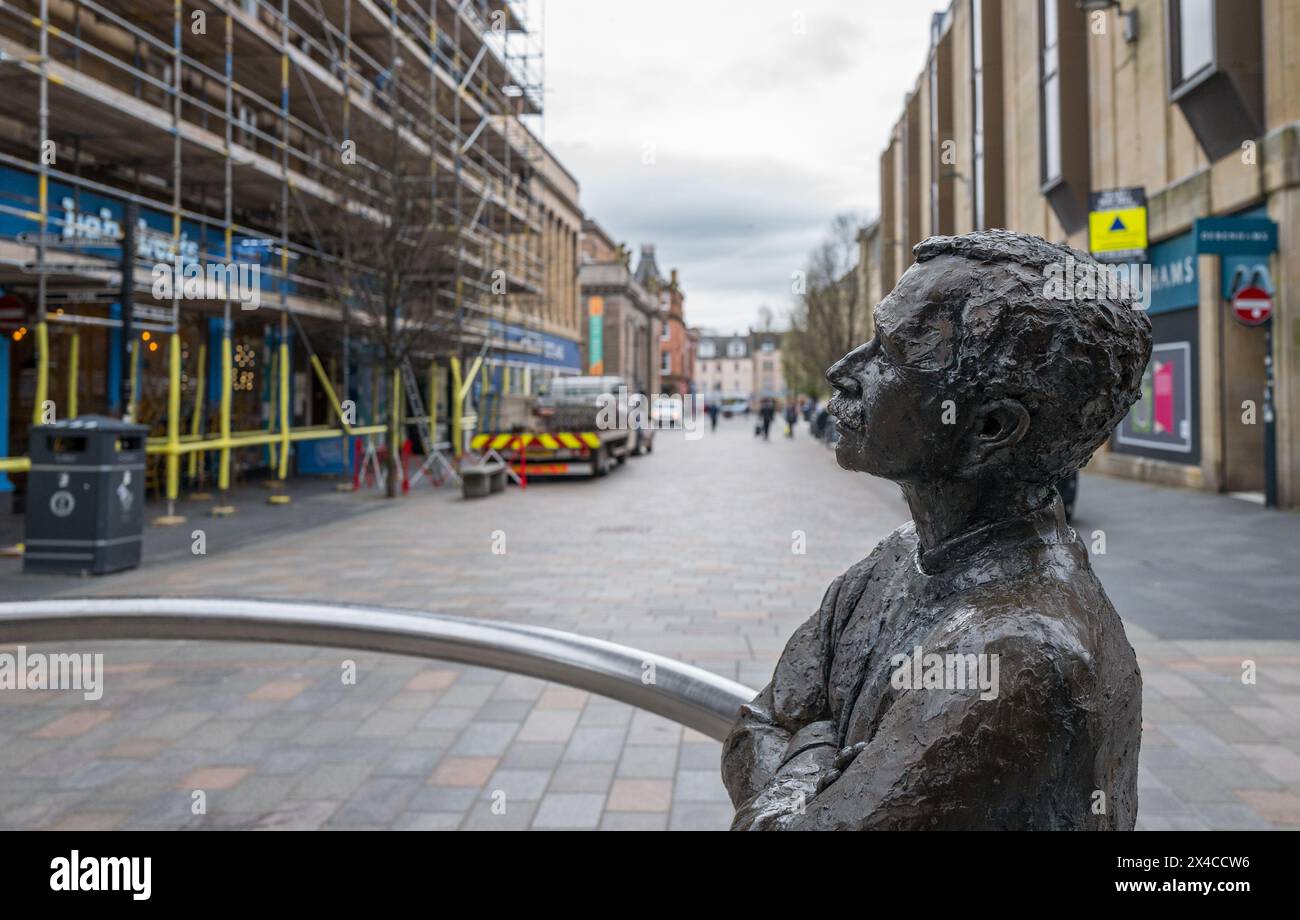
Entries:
{"x":1054,"y":747}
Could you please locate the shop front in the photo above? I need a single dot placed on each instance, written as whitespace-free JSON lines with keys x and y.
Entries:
{"x":1164,"y":425}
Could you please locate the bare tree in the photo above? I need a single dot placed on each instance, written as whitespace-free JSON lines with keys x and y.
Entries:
{"x":382,"y":244}
{"x":828,"y":320}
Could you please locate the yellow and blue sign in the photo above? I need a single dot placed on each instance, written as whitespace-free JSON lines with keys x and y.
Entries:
{"x":1117,"y":225}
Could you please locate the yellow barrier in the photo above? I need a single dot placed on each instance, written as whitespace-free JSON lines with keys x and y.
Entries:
{"x":457,"y":407}
{"x":42,"y":372}
{"x":196,"y":422}
{"x":173,"y":445}
{"x":134,"y":374}
{"x":273,"y":460}
{"x":173,"y":417}
{"x":74,"y":359}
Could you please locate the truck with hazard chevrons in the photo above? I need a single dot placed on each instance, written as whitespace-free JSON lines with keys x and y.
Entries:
{"x":563,"y":437}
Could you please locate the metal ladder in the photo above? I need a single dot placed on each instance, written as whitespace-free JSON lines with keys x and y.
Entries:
{"x":432,"y":452}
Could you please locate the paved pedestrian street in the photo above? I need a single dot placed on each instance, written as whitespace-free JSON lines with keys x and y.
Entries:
{"x":690,"y":552}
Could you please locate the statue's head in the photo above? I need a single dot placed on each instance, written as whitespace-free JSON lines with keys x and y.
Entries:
{"x":980,"y":367}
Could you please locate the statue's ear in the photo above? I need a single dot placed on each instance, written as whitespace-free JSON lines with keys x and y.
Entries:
{"x":996,"y":426}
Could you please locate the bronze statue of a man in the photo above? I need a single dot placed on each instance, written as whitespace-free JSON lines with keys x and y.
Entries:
{"x":970,"y":673}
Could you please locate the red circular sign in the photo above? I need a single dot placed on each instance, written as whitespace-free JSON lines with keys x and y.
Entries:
{"x":1253,"y":305}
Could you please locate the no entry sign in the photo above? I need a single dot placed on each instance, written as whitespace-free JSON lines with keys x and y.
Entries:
{"x":1252,"y":305}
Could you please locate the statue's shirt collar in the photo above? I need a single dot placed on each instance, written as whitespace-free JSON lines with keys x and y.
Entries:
{"x":1044,"y":525}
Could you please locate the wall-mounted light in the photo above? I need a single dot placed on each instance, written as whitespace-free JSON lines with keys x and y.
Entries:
{"x":1130,"y":18}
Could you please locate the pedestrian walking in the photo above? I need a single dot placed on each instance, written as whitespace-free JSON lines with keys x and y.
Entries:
{"x":767,"y":413}
{"x":791,"y":416}
{"x":712,"y":409}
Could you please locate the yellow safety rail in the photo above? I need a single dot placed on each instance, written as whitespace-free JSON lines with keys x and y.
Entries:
{"x":173,"y":418}
{"x":42,"y":372}
{"x":223,"y":464}
{"x":74,"y":359}
{"x":196,"y":421}
{"x":173,"y":445}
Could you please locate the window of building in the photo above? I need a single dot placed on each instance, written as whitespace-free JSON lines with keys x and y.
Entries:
{"x":666,"y":362}
{"x":1064,"y":166}
{"x":708,"y":349}
{"x":735,"y":349}
{"x":1195,"y":36}
{"x":977,"y":110}
{"x":1049,"y":92}
{"x":1214,"y":73}
{"x":985,"y":187}
{"x":665,"y":333}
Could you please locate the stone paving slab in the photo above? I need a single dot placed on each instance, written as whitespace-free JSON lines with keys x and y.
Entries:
{"x":688,"y":552}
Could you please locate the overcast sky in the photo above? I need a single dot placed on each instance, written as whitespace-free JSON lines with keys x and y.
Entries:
{"x":759,"y":119}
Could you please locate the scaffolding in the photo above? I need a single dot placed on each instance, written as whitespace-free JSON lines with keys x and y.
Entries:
{"x":221,"y":122}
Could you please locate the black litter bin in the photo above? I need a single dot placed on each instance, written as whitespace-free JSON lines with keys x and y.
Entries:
{"x":85,"y":496}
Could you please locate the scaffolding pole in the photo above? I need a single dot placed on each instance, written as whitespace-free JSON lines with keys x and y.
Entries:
{"x":483,"y":206}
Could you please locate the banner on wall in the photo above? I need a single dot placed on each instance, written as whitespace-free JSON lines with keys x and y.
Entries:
{"x":595,"y":335}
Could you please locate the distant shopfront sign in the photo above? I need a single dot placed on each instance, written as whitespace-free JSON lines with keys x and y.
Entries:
{"x":1117,"y":225}
{"x":1174,"y":284}
{"x":89,"y":224}
{"x":1232,"y":236}
{"x":529,"y":347}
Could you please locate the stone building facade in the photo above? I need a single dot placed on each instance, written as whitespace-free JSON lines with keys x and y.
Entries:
{"x":1023,"y":110}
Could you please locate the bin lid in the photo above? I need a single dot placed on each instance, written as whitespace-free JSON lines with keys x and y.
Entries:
{"x":86,"y":423}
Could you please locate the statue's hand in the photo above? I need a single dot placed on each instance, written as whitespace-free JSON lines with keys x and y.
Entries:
{"x":843,"y":759}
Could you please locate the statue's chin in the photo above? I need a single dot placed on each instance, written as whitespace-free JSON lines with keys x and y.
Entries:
{"x":851,"y":454}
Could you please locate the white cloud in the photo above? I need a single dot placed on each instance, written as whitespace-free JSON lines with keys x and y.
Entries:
{"x":760,"y":132}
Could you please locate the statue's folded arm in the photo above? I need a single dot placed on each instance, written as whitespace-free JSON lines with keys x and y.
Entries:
{"x":952,"y":759}
{"x":761,"y":742}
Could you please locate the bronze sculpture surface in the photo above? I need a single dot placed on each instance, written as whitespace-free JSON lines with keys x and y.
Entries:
{"x":970,"y":672}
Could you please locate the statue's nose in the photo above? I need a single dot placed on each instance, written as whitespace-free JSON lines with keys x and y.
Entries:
{"x":843,"y":373}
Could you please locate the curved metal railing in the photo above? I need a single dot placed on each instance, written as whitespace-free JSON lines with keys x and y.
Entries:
{"x":684,"y":693}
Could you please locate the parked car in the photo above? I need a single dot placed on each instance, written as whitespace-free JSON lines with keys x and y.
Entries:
{"x":735,"y":407}
{"x":667,"y":412}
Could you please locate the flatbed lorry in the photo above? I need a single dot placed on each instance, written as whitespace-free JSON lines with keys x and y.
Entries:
{"x":562,"y":438}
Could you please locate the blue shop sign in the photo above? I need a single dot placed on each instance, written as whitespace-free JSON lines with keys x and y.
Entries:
{"x":1239,"y":270}
{"x":81,"y":218}
{"x":534,"y":347}
{"x":1235,"y":235}
{"x":1173,"y":275}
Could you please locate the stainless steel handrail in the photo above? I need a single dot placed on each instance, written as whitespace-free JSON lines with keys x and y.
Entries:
{"x":686,"y":694}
